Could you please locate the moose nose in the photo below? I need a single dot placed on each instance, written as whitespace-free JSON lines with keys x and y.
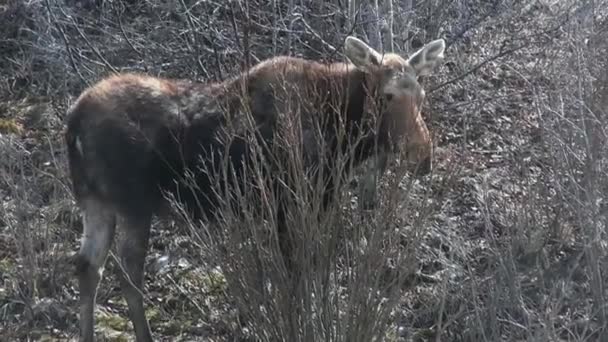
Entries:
{"x":424,"y":167}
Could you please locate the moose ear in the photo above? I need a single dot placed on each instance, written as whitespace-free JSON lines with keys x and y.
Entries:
{"x":428,"y":57}
{"x":361,"y":54}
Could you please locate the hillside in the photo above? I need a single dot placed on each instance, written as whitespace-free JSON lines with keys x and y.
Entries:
{"x":504,"y":241}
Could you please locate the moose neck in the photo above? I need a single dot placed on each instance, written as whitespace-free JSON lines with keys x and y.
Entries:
{"x":361,"y":106}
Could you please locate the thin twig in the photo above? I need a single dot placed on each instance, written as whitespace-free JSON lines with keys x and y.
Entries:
{"x":67,"y":44}
{"x":195,"y":41}
{"x":315,"y":34}
{"x":124,"y":35}
{"x":91,"y":46}
{"x":235,"y":29}
{"x":502,"y":53}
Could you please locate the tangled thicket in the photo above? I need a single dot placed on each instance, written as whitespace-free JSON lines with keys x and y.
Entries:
{"x":506,"y":240}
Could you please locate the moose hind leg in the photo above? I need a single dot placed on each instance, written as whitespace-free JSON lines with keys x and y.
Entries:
{"x":99,"y":224}
{"x":134,"y":245}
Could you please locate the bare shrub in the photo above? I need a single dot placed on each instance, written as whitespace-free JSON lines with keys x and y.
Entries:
{"x":330,"y":273}
{"x":507,"y":236}
{"x":29,"y":237}
{"x":541,"y":216}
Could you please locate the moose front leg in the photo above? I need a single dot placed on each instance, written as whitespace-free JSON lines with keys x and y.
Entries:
{"x":368,"y":186}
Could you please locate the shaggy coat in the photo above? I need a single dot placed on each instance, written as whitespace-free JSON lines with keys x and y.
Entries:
{"x":132,"y":138}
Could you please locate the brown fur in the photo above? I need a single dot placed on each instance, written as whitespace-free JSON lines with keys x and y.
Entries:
{"x":131,"y":137}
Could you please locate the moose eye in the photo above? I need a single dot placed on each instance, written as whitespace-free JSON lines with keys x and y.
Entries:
{"x":389,"y":97}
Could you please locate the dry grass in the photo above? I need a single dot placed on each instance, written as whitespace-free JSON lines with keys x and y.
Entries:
{"x":506,"y":240}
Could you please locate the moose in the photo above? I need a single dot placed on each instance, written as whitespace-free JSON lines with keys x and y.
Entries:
{"x":130,"y":138}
